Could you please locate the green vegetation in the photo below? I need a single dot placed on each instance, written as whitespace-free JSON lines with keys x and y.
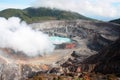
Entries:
{"x":15,"y":12}
{"x":36,"y":14}
{"x":116,"y":21}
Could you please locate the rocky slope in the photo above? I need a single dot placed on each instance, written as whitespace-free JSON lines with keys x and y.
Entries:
{"x":20,"y":67}
{"x":107,"y":61}
{"x":78,"y":68}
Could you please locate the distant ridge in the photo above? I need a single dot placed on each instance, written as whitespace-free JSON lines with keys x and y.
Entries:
{"x":116,"y":21}
{"x":36,"y":14}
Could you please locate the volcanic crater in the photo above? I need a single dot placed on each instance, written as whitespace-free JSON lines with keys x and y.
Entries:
{"x":88,"y":38}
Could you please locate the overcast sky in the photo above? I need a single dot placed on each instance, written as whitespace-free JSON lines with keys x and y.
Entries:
{"x":98,"y":9}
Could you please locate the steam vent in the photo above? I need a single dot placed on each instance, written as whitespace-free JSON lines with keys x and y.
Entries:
{"x":62,"y":49}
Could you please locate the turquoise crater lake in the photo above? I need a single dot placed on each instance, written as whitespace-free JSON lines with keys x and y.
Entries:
{"x":59,"y":40}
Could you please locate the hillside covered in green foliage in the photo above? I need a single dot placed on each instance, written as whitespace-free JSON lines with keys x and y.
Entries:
{"x":36,"y":14}
{"x":116,"y":21}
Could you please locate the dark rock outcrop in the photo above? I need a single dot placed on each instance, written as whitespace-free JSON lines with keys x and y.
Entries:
{"x":107,"y":61}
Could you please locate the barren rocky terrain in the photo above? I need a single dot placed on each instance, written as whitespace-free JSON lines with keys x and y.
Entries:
{"x":89,"y":36}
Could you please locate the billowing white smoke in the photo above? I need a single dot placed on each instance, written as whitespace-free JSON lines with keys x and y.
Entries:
{"x":19,"y":36}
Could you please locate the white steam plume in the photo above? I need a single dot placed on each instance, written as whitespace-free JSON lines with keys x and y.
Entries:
{"x":19,"y":36}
